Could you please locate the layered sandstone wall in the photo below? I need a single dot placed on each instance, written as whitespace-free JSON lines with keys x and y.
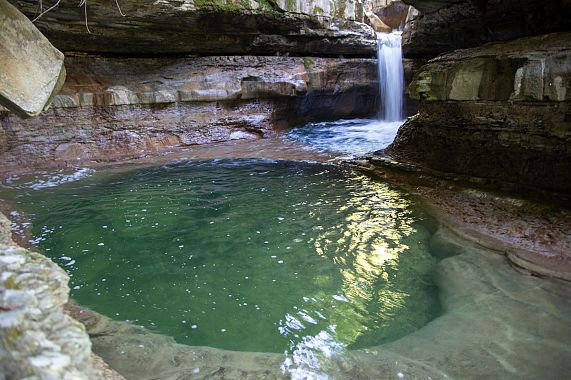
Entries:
{"x":500,"y":112}
{"x":207,"y":27}
{"x":156,"y":75}
{"x":114,"y":108}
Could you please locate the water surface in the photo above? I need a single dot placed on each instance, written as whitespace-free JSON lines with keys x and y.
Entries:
{"x":349,"y":137}
{"x":249,"y":255}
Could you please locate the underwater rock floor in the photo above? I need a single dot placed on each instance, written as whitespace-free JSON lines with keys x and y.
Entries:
{"x":497,"y":323}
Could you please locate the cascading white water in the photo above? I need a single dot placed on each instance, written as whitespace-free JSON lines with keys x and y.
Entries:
{"x":391,"y":75}
{"x":360,"y":136}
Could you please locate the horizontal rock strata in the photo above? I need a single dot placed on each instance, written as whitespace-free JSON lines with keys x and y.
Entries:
{"x":207,"y":27}
{"x":500,"y":112}
{"x":111,"y":108}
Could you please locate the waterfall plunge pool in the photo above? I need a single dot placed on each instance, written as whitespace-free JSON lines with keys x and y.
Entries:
{"x":347,"y":137}
{"x":243,"y":254}
{"x":360,"y":136}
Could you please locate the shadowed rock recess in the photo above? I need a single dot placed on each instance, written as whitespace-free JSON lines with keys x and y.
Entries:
{"x":439,"y":26}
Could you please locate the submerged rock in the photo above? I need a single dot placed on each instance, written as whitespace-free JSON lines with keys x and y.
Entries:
{"x":32,"y":69}
{"x":496,"y":323}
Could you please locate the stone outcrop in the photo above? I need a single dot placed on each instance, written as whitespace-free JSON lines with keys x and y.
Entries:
{"x":32,"y":70}
{"x":113,"y":108}
{"x":500,"y":112}
{"x":207,"y":27}
{"x":37,"y":339}
{"x":392,"y":13}
{"x":438,"y":26}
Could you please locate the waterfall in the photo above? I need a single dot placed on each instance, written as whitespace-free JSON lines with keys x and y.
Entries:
{"x":391,"y":75}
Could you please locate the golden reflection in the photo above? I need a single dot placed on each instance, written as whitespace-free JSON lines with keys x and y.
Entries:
{"x":378,"y":221}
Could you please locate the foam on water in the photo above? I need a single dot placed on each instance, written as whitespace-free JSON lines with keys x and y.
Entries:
{"x":361,"y":136}
{"x":350,"y":137}
{"x":44,"y":180}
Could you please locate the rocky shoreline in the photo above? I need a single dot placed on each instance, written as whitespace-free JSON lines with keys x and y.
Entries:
{"x":531,"y":233}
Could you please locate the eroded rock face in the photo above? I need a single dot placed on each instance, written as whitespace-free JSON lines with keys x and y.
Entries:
{"x":444,"y":25}
{"x":32,"y":70}
{"x":391,"y":12}
{"x":208,"y":27}
{"x":501,"y":112}
{"x":37,"y":340}
{"x":114,"y":108}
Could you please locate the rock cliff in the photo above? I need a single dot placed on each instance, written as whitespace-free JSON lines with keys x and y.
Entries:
{"x":439,"y":26}
{"x":207,"y":27}
{"x":136,"y":82}
{"x":112,"y":108}
{"x":500,"y":112}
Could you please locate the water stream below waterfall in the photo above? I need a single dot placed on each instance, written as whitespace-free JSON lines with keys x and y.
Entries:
{"x":360,"y":136}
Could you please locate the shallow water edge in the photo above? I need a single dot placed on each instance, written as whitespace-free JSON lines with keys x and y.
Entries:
{"x":497,"y":323}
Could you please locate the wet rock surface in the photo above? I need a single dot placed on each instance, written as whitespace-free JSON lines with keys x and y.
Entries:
{"x":532,"y":235}
{"x":114,"y":108}
{"x":207,"y":27}
{"x":499,"y":112}
{"x":32,"y":69}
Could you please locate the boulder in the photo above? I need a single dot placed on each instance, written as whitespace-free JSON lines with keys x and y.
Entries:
{"x":393,"y":14}
{"x":32,"y":69}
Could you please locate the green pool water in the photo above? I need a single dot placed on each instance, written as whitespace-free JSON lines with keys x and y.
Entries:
{"x":249,"y":255}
